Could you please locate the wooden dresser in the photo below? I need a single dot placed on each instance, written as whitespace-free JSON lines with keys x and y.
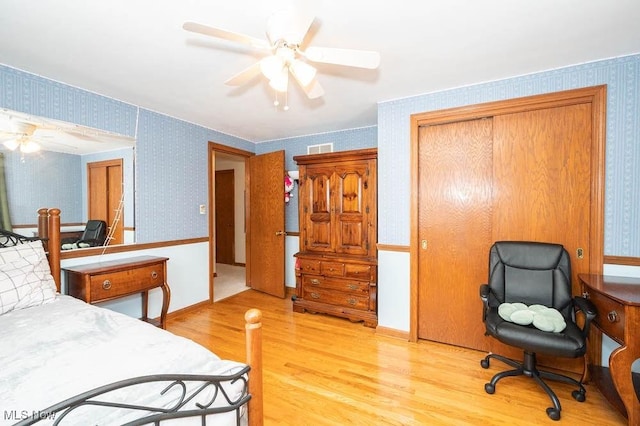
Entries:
{"x":617,"y":302}
{"x":337,"y":267}
{"x":102,"y":281}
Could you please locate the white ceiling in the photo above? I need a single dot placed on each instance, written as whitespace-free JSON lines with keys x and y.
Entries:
{"x":136,"y":51}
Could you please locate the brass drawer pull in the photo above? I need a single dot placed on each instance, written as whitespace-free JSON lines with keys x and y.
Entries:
{"x":314,"y":281}
{"x":315,"y":295}
{"x":612,"y":316}
{"x":352,"y":301}
{"x":106,"y":284}
{"x":154,"y":274}
{"x":352,"y":286}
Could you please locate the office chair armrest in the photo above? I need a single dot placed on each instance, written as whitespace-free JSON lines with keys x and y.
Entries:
{"x":484,"y":295}
{"x":588,"y":309}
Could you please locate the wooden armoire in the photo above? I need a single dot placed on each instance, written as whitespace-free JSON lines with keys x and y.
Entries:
{"x":337,"y":267}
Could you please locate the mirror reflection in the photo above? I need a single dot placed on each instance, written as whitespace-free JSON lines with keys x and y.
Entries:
{"x":86,"y":172}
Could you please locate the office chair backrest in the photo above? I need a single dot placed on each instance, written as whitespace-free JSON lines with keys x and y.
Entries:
{"x":530,"y":273}
{"x":95,"y":232}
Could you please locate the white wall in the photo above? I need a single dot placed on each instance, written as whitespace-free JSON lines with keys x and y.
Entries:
{"x":609,"y":345}
{"x":187,"y":276}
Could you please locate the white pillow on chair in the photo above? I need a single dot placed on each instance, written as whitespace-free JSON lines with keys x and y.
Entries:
{"x":542,"y":317}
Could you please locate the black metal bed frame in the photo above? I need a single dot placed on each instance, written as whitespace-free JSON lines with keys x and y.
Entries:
{"x":149,"y":414}
{"x":10,"y":239}
{"x":153,"y":414}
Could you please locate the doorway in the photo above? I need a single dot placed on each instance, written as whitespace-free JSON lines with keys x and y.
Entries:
{"x":229,"y":249}
{"x":259,"y":218}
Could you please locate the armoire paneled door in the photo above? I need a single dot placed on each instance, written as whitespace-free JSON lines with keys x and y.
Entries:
{"x":526,"y":169}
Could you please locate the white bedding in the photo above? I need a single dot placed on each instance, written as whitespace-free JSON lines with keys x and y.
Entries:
{"x":51,"y":352}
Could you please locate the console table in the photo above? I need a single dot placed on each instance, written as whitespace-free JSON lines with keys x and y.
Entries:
{"x":617,"y":300}
{"x":102,"y":281}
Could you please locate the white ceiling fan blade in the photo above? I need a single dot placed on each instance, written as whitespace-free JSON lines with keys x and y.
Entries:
{"x":244,"y":76}
{"x":225,"y":34}
{"x":314,"y":89}
{"x":289,"y":25}
{"x":348,"y":57}
{"x":302,"y":72}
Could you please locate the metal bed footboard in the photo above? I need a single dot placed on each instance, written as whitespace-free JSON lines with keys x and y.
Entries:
{"x":200,"y":384}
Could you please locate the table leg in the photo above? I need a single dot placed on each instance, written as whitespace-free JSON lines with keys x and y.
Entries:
{"x":620,"y":367}
{"x":166,"y":293}
{"x":145,"y":305}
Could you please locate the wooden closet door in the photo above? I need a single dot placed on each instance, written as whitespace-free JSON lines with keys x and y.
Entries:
{"x":105,"y":193}
{"x":542,"y":179}
{"x":454,"y":230}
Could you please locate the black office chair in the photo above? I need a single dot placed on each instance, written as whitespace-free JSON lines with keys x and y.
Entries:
{"x":94,"y":235}
{"x":534,"y":274}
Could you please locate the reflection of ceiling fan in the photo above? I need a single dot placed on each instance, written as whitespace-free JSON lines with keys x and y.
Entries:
{"x":286,"y":33}
{"x":28,"y":134}
{"x":22,"y":137}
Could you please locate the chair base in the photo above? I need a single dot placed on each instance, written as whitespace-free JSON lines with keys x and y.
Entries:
{"x":528,"y":368}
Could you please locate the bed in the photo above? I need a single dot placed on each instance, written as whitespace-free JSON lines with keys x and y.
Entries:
{"x":70,"y":363}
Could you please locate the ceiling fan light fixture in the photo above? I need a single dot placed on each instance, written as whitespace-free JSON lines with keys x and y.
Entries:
{"x":302,"y":72}
{"x":12,"y":144}
{"x":271,"y":67}
{"x":281,"y":81}
{"x":28,"y":147}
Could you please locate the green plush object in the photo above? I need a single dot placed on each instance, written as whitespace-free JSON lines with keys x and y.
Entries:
{"x":542,"y":317}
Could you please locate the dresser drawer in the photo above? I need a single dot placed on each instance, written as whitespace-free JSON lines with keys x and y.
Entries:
{"x":332,"y":269}
{"x":610,"y":317}
{"x":346,"y":285}
{"x":114,"y":284}
{"x":362,"y":272}
{"x":310,"y":266}
{"x":340,"y":298}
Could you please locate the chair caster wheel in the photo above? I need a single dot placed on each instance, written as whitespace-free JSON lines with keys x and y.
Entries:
{"x":578,"y":395}
{"x":489,"y":388}
{"x":484,"y":363}
{"x":553,"y":413}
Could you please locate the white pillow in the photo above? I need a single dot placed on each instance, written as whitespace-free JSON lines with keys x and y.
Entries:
{"x":542,"y":317}
{"x":25,"y":277}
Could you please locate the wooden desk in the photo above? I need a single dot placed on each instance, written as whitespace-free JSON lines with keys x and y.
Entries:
{"x":102,"y":281}
{"x":617,"y":300}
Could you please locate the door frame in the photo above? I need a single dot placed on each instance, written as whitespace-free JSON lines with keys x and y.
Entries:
{"x":595,"y":95}
{"x":212,"y":149}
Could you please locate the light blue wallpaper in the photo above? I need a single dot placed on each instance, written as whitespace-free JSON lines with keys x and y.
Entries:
{"x":170,"y":162}
{"x":172,"y":175}
{"x":55,"y":180}
{"x":622,"y":188}
{"x":344,"y":140}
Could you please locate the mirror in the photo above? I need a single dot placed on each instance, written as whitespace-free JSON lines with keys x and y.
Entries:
{"x":46,"y":163}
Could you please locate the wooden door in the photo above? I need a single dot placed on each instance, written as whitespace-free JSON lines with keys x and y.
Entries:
{"x":315,"y":203}
{"x":354,"y":184}
{"x":266,"y":223}
{"x":454,"y":187}
{"x":542,"y":180}
{"x":225,"y":216}
{"x":105,"y":197}
{"x":551,"y":201}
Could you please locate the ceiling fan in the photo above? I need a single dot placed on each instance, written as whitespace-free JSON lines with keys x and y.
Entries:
{"x":286,"y":33}
{"x":29,"y":134}
{"x":20,"y":137}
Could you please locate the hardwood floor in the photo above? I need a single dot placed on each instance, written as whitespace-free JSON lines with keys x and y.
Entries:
{"x":321,"y":370}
